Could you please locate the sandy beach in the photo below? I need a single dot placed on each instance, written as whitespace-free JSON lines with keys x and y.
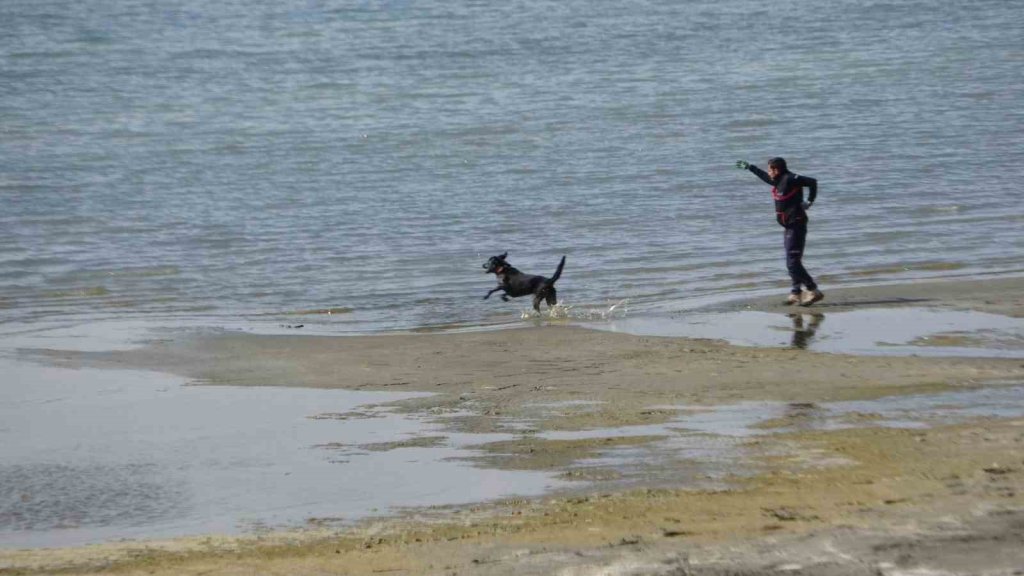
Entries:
{"x":860,"y":498}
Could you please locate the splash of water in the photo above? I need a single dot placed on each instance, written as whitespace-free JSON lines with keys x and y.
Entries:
{"x":565,"y":311}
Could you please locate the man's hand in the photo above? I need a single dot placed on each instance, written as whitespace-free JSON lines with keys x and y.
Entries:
{"x":806,"y":206}
{"x":742,"y":164}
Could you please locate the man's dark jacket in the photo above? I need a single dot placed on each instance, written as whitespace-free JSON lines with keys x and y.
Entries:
{"x":788,"y":193}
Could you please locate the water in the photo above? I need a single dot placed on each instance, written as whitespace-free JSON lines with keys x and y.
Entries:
{"x":89,"y":456}
{"x":705,"y":446}
{"x":268,"y":161}
{"x":895,"y":331}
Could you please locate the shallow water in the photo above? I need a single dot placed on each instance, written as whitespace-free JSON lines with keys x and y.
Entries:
{"x":274,"y":160}
{"x":889,"y":331}
{"x":89,"y":456}
{"x":709,"y":441}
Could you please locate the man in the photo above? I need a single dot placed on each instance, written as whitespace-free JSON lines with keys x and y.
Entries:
{"x":791,"y":214}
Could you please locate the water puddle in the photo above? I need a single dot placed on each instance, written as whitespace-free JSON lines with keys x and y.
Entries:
{"x":559,"y":407}
{"x":89,"y":456}
{"x":101,"y":336}
{"x":894,"y":331}
{"x":704,"y":445}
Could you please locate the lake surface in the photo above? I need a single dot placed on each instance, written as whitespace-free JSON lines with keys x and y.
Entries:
{"x":273,"y":161}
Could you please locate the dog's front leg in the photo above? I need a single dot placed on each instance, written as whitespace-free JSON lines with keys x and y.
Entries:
{"x":492,"y":291}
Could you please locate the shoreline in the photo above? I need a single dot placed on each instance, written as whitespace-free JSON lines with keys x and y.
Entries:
{"x":852,"y":297}
{"x":1000,"y":294}
{"x":807,"y":486}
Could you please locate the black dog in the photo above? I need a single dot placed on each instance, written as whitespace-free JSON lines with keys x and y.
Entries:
{"x":516,"y":284}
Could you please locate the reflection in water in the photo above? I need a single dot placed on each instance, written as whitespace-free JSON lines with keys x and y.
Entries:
{"x":804,"y":415}
{"x":803,"y":333}
{"x":879,"y":331}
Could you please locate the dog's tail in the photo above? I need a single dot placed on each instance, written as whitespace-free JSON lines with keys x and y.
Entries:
{"x":558,"y":273}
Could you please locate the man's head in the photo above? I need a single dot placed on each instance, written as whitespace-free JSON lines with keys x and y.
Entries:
{"x":777,"y":167}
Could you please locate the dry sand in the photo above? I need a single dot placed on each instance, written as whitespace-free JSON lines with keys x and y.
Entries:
{"x":864,"y":500}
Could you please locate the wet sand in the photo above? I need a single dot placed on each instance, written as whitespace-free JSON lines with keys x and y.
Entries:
{"x":858,"y":500}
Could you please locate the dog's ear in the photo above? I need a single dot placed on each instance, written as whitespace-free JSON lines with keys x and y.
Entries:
{"x":502,"y":257}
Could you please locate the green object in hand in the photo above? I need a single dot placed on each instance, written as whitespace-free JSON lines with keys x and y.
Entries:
{"x":742,"y":164}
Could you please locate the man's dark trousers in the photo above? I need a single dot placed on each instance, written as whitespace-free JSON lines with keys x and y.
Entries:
{"x":795,"y":239}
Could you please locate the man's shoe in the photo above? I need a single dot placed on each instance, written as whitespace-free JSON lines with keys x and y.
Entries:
{"x":794,"y":299}
{"x":810,"y":297}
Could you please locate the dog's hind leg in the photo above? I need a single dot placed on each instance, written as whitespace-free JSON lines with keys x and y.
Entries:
{"x":536,"y":302}
{"x":551,"y":297}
